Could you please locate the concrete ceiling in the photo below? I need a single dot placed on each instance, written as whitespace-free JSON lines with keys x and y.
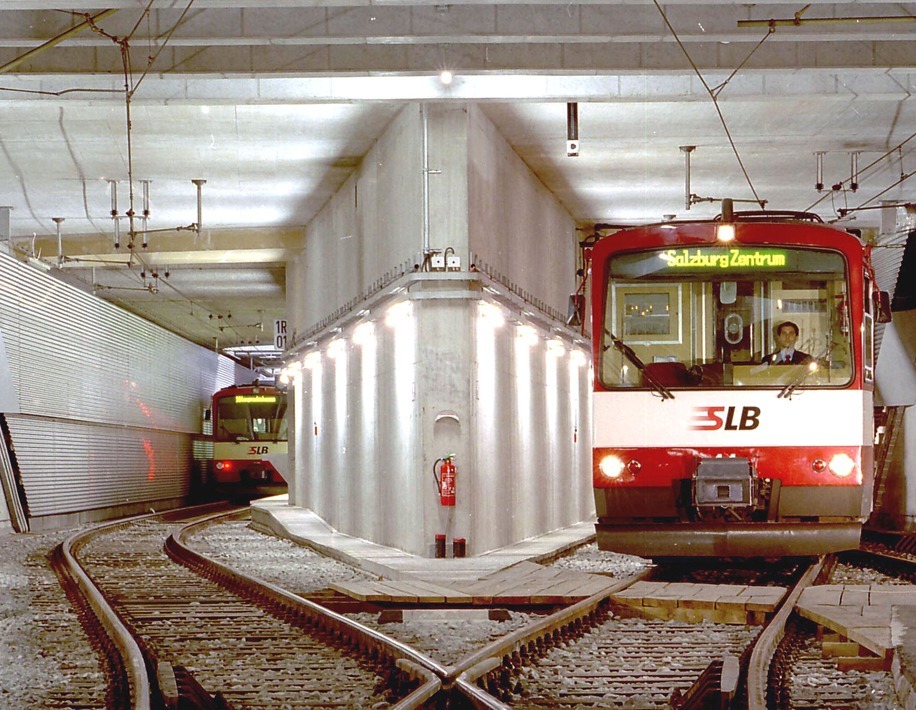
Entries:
{"x":274,"y":102}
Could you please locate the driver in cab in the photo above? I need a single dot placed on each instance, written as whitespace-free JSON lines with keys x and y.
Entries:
{"x":786,"y":336}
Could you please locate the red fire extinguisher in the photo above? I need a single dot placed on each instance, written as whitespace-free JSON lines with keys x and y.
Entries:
{"x":445,"y":475}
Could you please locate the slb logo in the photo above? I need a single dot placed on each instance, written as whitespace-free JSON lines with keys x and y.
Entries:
{"x":728,"y":418}
{"x":256,"y":450}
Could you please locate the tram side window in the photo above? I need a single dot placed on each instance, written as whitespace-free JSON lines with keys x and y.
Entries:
{"x":868,"y":346}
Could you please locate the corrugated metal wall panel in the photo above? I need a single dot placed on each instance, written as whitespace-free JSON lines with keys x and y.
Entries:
{"x":886,"y":257}
{"x":74,"y":466}
{"x":108,"y":401}
{"x":76,"y":356}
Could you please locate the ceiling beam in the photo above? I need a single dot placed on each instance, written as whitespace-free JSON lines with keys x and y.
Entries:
{"x":212,"y":247}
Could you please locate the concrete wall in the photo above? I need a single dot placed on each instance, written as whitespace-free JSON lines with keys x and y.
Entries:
{"x":373,"y":224}
{"x":517,"y":227}
{"x":374,"y":411}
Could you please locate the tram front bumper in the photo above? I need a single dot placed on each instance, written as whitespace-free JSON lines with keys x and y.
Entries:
{"x":728,"y":540}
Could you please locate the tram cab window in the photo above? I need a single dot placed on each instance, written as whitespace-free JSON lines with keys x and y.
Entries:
{"x":706,"y":316}
{"x":252,"y":419}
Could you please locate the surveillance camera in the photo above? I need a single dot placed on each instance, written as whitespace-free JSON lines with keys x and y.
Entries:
{"x":572,"y":148}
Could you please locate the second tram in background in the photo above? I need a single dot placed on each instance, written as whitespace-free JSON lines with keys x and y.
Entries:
{"x":702,"y":446}
{"x":249,"y":437}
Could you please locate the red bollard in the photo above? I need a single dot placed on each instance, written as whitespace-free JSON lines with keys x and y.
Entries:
{"x":440,"y":545}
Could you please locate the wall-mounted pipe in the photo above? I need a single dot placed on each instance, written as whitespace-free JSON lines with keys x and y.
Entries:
{"x":798,"y":21}
{"x":424,"y":112}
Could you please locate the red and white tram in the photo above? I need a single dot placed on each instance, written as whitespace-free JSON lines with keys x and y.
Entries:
{"x":249,"y":426}
{"x":701,"y":448}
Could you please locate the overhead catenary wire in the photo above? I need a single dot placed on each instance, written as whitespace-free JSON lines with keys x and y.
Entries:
{"x":863,"y":174}
{"x":130,"y":88}
{"x":57,"y":39}
{"x":714,"y":94}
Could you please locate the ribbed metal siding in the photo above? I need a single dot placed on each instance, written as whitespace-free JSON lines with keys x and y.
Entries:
{"x":103,"y":395}
{"x":74,"y":466}
{"x":79,"y":357}
{"x":886,"y":258}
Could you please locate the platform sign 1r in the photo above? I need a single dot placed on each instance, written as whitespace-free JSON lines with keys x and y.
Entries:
{"x":280,"y":334}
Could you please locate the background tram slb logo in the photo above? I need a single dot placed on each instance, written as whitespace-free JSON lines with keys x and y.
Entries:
{"x":726,"y":418}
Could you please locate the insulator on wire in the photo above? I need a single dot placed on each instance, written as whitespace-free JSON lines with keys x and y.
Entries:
{"x":819,"y":179}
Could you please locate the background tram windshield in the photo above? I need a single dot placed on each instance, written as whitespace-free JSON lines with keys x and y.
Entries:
{"x":251,"y":417}
{"x":706,"y":316}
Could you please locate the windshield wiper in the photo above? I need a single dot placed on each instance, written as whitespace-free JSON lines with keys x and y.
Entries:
{"x":801,"y":376}
{"x":634,"y":358}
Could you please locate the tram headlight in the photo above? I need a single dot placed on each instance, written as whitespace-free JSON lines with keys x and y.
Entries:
{"x":841,"y":465}
{"x":725,"y":232}
{"x":611,"y":466}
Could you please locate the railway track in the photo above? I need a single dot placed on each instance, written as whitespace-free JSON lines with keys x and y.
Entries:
{"x":803,"y":674}
{"x":587,"y":653}
{"x":225,"y":640}
{"x":594,"y":652}
{"x":600,"y":654}
{"x":535,"y":665}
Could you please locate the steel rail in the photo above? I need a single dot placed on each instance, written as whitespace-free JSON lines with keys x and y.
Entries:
{"x":428,"y":672}
{"x":131,"y":655}
{"x":768,"y":641}
{"x":467,"y":672}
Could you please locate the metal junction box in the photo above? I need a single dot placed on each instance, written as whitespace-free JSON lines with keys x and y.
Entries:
{"x":723,"y":482}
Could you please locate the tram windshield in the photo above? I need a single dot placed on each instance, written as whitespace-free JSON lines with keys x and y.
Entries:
{"x":251,"y":417}
{"x":710,"y":316}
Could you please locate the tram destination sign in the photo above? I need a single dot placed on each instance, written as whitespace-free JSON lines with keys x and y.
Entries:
{"x":255,"y":398}
{"x":709,"y":261}
{"x":727,"y":259}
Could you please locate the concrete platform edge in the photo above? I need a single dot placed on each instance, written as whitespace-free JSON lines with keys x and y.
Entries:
{"x":271,"y":518}
{"x":304,"y":527}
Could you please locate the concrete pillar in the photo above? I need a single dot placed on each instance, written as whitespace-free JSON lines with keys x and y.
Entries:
{"x":403,"y":363}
